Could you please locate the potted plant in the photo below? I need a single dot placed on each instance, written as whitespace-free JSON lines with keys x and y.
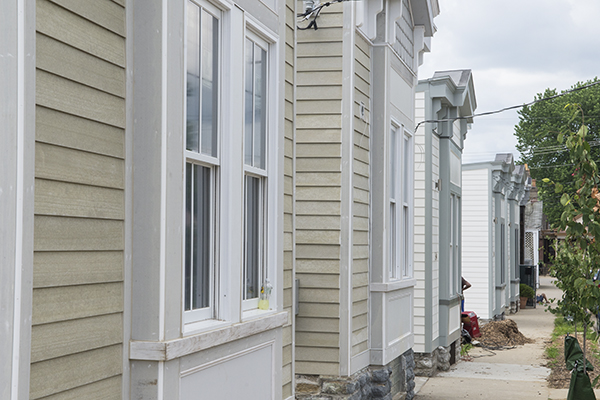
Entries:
{"x":526,"y":292}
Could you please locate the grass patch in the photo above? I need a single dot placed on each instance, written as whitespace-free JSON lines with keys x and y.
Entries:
{"x":563,"y":327}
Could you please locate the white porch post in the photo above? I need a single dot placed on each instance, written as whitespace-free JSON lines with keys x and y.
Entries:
{"x":17,"y":137}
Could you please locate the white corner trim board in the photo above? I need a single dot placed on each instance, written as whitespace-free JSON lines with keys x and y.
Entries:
{"x":171,"y":349}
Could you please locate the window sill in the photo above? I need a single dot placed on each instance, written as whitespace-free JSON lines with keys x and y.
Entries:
{"x":393,"y":285}
{"x":171,"y":349}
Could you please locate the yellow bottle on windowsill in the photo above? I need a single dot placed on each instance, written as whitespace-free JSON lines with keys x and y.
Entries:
{"x":265,"y":293}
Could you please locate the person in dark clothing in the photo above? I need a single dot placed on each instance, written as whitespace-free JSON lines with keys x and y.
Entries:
{"x":465,"y":285}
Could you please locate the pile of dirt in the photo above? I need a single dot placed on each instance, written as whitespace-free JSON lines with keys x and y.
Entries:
{"x":500,"y":334}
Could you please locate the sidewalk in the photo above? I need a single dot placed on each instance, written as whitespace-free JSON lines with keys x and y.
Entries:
{"x":508,"y":374}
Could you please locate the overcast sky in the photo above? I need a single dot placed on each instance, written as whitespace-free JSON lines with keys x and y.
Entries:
{"x":515,"y":49}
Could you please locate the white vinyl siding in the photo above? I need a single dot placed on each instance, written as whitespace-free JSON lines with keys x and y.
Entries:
{"x":476,"y":240}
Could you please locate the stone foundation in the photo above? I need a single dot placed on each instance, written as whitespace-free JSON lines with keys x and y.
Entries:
{"x":428,"y":364}
{"x":395,"y":381}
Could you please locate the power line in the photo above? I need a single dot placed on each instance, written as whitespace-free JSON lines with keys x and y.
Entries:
{"x":508,"y":108}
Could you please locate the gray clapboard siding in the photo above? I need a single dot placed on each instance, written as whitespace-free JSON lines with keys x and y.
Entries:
{"x":71,"y":97}
{"x":106,"y":389}
{"x":60,"y":374}
{"x":74,"y":200}
{"x":68,"y":165}
{"x":77,"y":234}
{"x":76,"y":268}
{"x":74,"y":336}
{"x":105,"y":13}
{"x":54,"y":127}
{"x":73,"y":302}
{"x":59,"y":23}
{"x":73,"y":64}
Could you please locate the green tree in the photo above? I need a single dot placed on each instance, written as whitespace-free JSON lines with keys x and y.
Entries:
{"x":537,"y":133}
{"x":578,"y":256}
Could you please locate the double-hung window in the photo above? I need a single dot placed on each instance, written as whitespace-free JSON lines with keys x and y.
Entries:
{"x":202,"y":161}
{"x":255,"y":168}
{"x":400,"y":212}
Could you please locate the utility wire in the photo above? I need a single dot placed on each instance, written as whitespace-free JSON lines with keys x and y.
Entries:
{"x":508,"y":108}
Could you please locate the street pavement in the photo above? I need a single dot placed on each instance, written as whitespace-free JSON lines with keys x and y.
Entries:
{"x":515,"y":374}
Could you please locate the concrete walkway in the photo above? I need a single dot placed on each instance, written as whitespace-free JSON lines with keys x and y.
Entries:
{"x":508,"y":374}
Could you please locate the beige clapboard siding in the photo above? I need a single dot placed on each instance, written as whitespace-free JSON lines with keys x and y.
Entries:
{"x":106,"y":389}
{"x":54,"y":127}
{"x":58,"y":93}
{"x":74,"y":200}
{"x":318,"y":193}
{"x":69,"y":165}
{"x":73,"y":64}
{"x":105,"y":13}
{"x":77,"y":320}
{"x":77,"y":234}
{"x":64,"y":268}
{"x":72,"y":371}
{"x":361,"y":205}
{"x":74,"y":302}
{"x":74,"y":30}
{"x":288,"y":266}
{"x":75,"y":336}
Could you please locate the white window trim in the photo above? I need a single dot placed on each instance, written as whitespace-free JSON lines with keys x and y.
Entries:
{"x":235,"y":25}
{"x":256,"y":32}
{"x":192,"y":317}
{"x":404,"y":267}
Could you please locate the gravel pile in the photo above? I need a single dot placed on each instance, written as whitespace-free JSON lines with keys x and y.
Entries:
{"x":500,"y":334}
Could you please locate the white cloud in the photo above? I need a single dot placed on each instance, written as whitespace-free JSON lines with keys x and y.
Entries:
{"x":515,"y":49}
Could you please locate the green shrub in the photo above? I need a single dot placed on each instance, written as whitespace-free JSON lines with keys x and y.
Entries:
{"x":526,"y":291}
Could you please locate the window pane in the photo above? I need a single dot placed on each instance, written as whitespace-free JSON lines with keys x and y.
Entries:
{"x":393,"y":239}
{"x":260,"y":109}
{"x":210,"y":70}
{"x":198,"y":237}
{"x":249,"y":103}
{"x":193,"y":78}
{"x":252,"y":267}
{"x":393,"y":156}
{"x":408,"y":168}
{"x":406,"y":242}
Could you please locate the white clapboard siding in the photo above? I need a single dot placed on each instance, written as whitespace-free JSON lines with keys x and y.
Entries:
{"x":476,"y":240}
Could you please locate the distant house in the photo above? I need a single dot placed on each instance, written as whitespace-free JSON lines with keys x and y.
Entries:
{"x":492,"y":192}
{"x":448,"y":95}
